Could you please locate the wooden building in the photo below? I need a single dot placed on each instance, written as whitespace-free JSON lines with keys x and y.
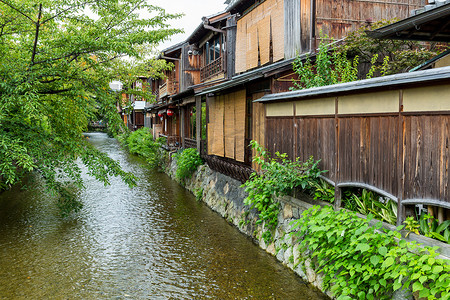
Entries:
{"x":389,"y":134}
{"x":269,"y":35}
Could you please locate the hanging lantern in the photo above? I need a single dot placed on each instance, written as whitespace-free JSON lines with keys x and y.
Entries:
{"x":160,"y":114}
{"x":170,"y":112}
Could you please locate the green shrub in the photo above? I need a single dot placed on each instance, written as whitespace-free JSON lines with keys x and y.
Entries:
{"x":141,"y":142}
{"x":278,"y":176}
{"x":188,"y":161}
{"x":360,"y":261}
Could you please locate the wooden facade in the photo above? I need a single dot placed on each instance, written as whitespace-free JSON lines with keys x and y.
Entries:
{"x":392,"y":142}
{"x":272,"y":30}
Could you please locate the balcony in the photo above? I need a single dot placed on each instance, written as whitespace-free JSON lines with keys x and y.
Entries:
{"x":211,"y":69}
{"x":168,"y":88}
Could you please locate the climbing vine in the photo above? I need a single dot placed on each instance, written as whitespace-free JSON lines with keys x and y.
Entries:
{"x":278,"y":176}
{"x":360,"y":261}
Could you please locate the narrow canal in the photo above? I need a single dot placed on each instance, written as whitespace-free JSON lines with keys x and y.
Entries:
{"x":151,"y":242}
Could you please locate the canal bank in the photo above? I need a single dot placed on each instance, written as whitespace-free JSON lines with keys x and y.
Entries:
{"x":226,"y":196}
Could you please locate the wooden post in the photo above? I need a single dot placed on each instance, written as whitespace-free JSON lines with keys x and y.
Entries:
{"x":183,"y":125}
{"x":198,"y":122}
{"x":401,"y":212}
{"x":337,"y":190}
{"x":231,"y":47}
{"x":294,"y":120}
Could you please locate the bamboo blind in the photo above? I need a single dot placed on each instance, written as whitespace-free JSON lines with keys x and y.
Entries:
{"x":240,"y":117}
{"x":229,"y":126}
{"x":263,"y":24}
{"x":226,"y":128}
{"x":241,"y":47}
{"x":264,"y":39}
{"x":277,"y":18}
{"x":258,"y":124}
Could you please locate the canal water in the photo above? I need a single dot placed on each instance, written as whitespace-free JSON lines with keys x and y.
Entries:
{"x":151,"y":242}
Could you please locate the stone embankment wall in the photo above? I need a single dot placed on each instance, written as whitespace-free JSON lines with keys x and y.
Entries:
{"x":226,"y":196}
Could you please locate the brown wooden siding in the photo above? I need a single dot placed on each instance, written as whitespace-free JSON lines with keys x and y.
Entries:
{"x":316,"y":137}
{"x":405,"y":154}
{"x":368,"y":149}
{"x":427,"y":151}
{"x":336,"y":18}
{"x":280,"y":135}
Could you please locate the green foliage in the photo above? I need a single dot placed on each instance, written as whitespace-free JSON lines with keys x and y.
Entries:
{"x":56,"y":61}
{"x":360,"y":261}
{"x":198,"y":192}
{"x":322,"y":190}
{"x":141,"y":142}
{"x":330,"y":67}
{"x":411,"y":225}
{"x":370,"y":203}
{"x":278,"y":176}
{"x":188,"y":161}
{"x":430,"y":227}
{"x":400,"y":55}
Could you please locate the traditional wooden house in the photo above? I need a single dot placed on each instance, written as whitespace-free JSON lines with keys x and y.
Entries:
{"x":163,"y":116}
{"x":388,"y":134}
{"x":268,"y":36}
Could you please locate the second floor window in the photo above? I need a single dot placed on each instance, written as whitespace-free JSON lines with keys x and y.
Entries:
{"x":214,"y":49}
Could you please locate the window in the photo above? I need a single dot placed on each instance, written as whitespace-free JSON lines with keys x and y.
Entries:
{"x":214,"y":48}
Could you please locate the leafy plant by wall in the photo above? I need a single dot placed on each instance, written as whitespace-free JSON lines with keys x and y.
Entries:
{"x":187,"y":163}
{"x":141,"y":142}
{"x":278,"y":176}
{"x":360,"y":261}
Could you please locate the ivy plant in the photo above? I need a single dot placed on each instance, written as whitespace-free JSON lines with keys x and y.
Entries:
{"x":278,"y":176}
{"x":360,"y":261}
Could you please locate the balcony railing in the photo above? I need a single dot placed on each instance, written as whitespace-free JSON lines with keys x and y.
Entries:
{"x":163,"y":90}
{"x":190,"y":143}
{"x":211,"y":69}
{"x":168,"y":88}
{"x":173,"y":141}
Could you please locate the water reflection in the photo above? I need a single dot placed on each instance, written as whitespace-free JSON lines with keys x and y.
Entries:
{"x":151,"y":242}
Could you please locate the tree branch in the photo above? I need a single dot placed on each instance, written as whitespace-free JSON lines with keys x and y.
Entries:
{"x":36,"y":36}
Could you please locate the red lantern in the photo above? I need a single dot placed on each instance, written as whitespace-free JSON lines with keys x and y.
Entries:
{"x":170,"y":112}
{"x":160,"y":114}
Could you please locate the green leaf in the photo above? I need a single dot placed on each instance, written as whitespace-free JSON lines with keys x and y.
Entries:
{"x":437,"y":269}
{"x":424,"y":293}
{"x":363,"y":247}
{"x":375,"y":259}
{"x":382,"y":250}
{"x":388,"y":262}
{"x":417,"y":286}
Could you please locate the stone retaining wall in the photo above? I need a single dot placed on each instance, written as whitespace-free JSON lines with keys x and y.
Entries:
{"x":225,"y":196}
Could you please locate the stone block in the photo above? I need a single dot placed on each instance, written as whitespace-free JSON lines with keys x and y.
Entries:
{"x":287,"y":211}
{"x":310,"y":274}
{"x":271,"y":249}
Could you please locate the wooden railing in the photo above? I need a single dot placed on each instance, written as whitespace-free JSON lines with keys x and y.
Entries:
{"x":173,"y":141}
{"x":168,"y":88}
{"x":190,"y":143}
{"x":163,"y":90}
{"x":211,"y":69}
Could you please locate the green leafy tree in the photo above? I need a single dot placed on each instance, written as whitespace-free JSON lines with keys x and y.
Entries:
{"x":56,"y":60}
{"x":393,"y":56}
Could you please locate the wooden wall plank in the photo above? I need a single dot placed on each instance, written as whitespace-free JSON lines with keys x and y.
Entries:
{"x":240,"y":117}
{"x":277,"y":23}
{"x":264,"y":39}
{"x":230,"y":125}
